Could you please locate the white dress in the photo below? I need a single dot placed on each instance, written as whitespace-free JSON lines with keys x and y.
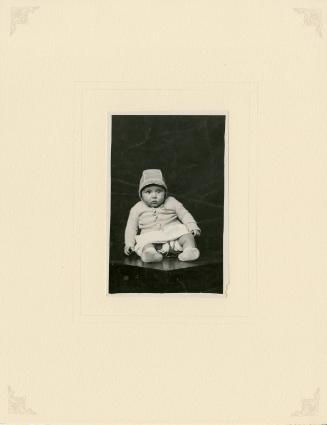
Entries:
{"x":162,"y":225}
{"x":168,"y":234}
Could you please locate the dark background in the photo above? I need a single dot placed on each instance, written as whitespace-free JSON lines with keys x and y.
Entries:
{"x":189,"y":150}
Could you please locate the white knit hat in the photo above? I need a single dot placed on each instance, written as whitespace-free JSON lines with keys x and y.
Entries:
{"x":150,"y":177}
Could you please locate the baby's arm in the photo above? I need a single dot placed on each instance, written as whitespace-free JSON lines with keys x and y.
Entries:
{"x":186,"y":217}
{"x":131,"y":231}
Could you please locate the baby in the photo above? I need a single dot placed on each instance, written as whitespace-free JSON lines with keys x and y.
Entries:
{"x":165,"y":225}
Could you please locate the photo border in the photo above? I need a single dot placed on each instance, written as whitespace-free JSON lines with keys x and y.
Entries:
{"x":83,"y":89}
{"x":226,"y":199}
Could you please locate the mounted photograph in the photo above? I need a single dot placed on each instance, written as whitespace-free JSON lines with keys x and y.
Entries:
{"x":167,"y":203}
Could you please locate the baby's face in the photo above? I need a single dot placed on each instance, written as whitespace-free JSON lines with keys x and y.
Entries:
{"x":153,"y":195}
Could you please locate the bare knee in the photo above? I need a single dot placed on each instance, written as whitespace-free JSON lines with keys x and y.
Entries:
{"x":147,"y":247}
{"x":187,"y":240}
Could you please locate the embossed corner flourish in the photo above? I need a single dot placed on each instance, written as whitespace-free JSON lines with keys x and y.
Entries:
{"x":312,"y":18}
{"x":17,"y":404}
{"x":309,"y":406}
{"x":20,"y":16}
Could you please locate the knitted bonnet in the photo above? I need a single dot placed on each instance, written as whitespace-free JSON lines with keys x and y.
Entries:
{"x":150,"y":177}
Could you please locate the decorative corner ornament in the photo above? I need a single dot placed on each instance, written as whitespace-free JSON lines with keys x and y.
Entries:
{"x":312,"y":18}
{"x":20,"y":16}
{"x":309,"y":406}
{"x":17,"y":404}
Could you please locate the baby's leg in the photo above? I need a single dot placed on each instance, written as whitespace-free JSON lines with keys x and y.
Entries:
{"x":190,"y":252}
{"x":150,"y":254}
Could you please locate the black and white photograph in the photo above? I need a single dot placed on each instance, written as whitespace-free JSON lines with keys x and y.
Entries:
{"x":167,"y":203}
{"x":163,"y":211}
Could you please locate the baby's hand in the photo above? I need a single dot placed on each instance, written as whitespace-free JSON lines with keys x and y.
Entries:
{"x":128,"y":249}
{"x":196,"y":232}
